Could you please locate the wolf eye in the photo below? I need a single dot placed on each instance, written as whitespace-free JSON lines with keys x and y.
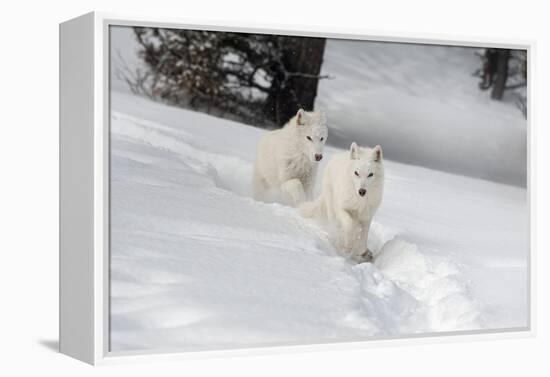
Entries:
{"x":357,"y":174}
{"x":307,"y":137}
{"x":322,"y":138}
{"x":370,"y":175}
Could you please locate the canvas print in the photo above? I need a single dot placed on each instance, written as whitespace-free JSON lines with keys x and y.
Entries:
{"x":278,"y":190}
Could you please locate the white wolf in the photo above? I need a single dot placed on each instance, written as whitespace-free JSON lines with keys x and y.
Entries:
{"x":287,"y":158}
{"x":353,"y":185}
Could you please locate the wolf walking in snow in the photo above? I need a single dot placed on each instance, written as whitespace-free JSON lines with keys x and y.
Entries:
{"x":287,"y":158}
{"x":353,"y":185}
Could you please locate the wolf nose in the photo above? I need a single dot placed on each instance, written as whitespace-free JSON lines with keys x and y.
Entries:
{"x":362,"y":192}
{"x":318,"y":157}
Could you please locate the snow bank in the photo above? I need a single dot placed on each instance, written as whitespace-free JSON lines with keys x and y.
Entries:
{"x":422,"y":103}
{"x":196,"y":263}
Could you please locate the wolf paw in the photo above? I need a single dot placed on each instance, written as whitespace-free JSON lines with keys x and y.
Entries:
{"x":366,"y":257}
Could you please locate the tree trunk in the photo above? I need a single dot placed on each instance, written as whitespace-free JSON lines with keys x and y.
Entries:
{"x":503,"y":55}
{"x":296,"y":86}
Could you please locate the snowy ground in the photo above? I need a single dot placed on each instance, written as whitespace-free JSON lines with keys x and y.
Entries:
{"x":196,"y":263}
{"x":423,"y":104}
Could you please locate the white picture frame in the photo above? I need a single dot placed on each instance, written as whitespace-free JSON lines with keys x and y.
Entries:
{"x":84,"y":186}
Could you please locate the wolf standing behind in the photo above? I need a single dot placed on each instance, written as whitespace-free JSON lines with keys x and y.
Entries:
{"x":287,"y":158}
{"x":353,"y":185}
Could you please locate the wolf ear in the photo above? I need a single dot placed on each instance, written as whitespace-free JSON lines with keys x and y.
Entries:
{"x":377,"y":153}
{"x":354,"y":151}
{"x":300,"y":117}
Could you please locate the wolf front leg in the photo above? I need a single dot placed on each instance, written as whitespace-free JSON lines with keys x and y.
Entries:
{"x":293,"y":192}
{"x":259,"y":186}
{"x":348,"y":231}
{"x":308,"y":181}
{"x":362,"y":251}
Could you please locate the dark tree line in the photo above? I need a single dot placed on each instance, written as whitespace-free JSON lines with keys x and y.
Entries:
{"x":264,"y":79}
{"x":504,"y":70}
{"x":256,"y":78}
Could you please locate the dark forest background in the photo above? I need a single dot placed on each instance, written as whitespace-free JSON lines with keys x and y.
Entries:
{"x":264,"y":79}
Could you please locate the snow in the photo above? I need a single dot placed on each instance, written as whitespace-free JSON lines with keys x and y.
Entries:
{"x":423,"y":104}
{"x":197,"y":264}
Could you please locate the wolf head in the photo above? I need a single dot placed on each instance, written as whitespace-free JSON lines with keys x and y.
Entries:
{"x":366,"y":165}
{"x":312,"y":130}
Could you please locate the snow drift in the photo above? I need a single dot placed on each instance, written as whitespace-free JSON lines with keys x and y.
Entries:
{"x":423,"y":104}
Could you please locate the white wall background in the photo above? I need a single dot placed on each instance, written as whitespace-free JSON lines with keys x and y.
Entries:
{"x":29,"y":186}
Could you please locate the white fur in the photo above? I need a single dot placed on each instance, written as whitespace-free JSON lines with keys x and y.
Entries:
{"x":285,"y":159}
{"x":340,"y":202}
